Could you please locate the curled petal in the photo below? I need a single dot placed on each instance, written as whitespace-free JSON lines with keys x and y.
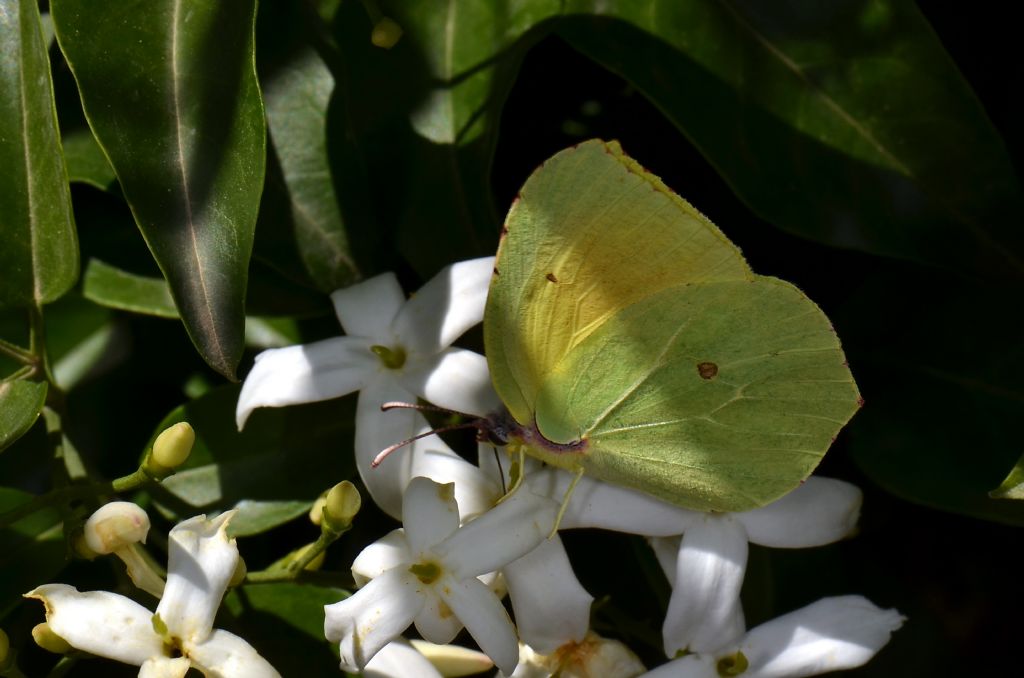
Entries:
{"x":704,"y":612}
{"x":828,"y":635}
{"x":100,"y":623}
{"x":388,"y":552}
{"x":305,"y":374}
{"x":666,"y":550}
{"x":820,"y":511}
{"x":551,"y":606}
{"x":399,"y":659}
{"x":429,"y":514}
{"x":372,"y":617}
{"x":367,"y":309}
{"x":165,"y":667}
{"x":507,"y":532}
{"x":443,"y":309}
{"x":225,"y":655}
{"x":201,"y":561}
{"x":456,"y":379}
{"x":479,"y":609}
{"x":610,"y":507}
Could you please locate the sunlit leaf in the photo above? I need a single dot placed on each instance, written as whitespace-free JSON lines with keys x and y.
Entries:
{"x":169,"y":89}
{"x":1012,"y":486}
{"x":39,"y":256}
{"x":21,"y":401}
{"x":109,"y":286}
{"x":86,"y":162}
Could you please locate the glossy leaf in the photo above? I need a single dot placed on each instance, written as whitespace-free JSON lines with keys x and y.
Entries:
{"x":39,"y":256}
{"x":825,"y":120}
{"x":228,"y":468}
{"x":109,"y":286}
{"x":86,"y":162}
{"x":21,"y":401}
{"x":82,"y":341}
{"x":170,"y":91}
{"x":1012,"y":486}
{"x":298,"y":88}
{"x":32,"y":550}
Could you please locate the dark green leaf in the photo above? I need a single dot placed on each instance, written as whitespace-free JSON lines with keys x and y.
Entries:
{"x":297,"y":88}
{"x":942,"y":384}
{"x":39,"y":256}
{"x":845,"y":121}
{"x":1012,"y":486}
{"x":31,"y":550}
{"x":86,"y":162}
{"x":21,"y":401}
{"x":109,"y":286}
{"x":81,"y":340}
{"x":169,"y":89}
{"x":309,"y":445}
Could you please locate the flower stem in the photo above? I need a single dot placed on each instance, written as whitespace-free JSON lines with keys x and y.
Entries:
{"x":16,"y":352}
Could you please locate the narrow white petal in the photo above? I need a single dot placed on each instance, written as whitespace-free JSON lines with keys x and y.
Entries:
{"x":429,"y":514}
{"x":507,"y":532}
{"x":165,"y":667}
{"x":666,"y":550}
{"x":436,"y":621}
{"x":200,"y":564}
{"x":690,"y":666}
{"x":486,"y":620}
{"x":305,"y":374}
{"x":828,"y":635}
{"x":388,"y":552}
{"x":704,"y":611}
{"x":372,"y":617}
{"x":429,"y":457}
{"x":225,"y":655}
{"x":456,"y":378}
{"x":399,"y":659}
{"x":453,"y":660}
{"x":367,"y":309}
{"x":551,"y":606}
{"x":610,"y":507}
{"x":100,"y":623}
{"x":820,"y":511}
{"x":443,"y":309}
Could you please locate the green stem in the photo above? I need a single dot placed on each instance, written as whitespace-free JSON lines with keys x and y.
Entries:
{"x":16,"y":352}
{"x":319,"y":546}
{"x":63,"y":495}
{"x":12,"y":671}
{"x":281,"y":575}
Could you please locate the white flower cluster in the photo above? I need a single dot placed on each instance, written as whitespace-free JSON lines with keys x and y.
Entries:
{"x":440,"y":571}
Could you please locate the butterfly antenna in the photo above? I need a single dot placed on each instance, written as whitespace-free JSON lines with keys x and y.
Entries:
{"x":391,"y":448}
{"x":399,"y":405}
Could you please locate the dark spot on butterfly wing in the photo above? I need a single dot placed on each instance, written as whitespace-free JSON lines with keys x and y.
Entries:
{"x":707,"y":370}
{"x":551,"y":277}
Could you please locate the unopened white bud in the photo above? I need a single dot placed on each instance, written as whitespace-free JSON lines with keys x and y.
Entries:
{"x":114,"y":526}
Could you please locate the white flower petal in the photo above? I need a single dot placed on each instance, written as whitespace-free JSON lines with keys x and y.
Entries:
{"x":225,"y":655}
{"x":704,"y":611}
{"x":429,"y":515}
{"x":479,"y":609}
{"x":372,"y":617}
{"x":820,"y":511}
{"x":453,"y":660}
{"x":399,"y":659}
{"x":445,"y":307}
{"x":690,"y":666}
{"x":201,"y":562}
{"x":551,"y":606}
{"x":367,"y":309}
{"x":100,"y":623}
{"x":456,"y":379}
{"x":436,"y":621}
{"x":388,"y":552}
{"x":666,"y":550}
{"x":611,"y":507}
{"x":305,"y":374}
{"x":165,"y":667}
{"x":507,"y":532}
{"x":828,"y":635}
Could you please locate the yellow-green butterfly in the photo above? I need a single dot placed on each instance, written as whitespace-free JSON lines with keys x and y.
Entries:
{"x":630,"y":341}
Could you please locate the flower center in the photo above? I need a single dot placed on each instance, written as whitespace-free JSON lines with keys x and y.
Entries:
{"x":426,"y":571}
{"x":732,"y":665}
{"x":392,"y":358}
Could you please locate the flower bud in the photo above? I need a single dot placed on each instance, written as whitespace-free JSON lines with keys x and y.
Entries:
{"x":172,"y":447}
{"x":316,"y":511}
{"x":114,"y":526}
{"x":453,"y":661}
{"x":341,"y":506}
{"x":48,"y":640}
{"x":386,"y":33}
{"x":238,"y":576}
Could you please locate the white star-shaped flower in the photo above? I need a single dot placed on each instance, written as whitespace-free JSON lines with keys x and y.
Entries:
{"x":202,"y":560}
{"x":829,"y":635}
{"x":426,"y":573}
{"x":394,"y":350}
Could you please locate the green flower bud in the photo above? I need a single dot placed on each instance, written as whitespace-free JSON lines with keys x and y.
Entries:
{"x":238,"y":576}
{"x":341,"y":506}
{"x":386,"y":33}
{"x":48,"y":640}
{"x":173,"y":445}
